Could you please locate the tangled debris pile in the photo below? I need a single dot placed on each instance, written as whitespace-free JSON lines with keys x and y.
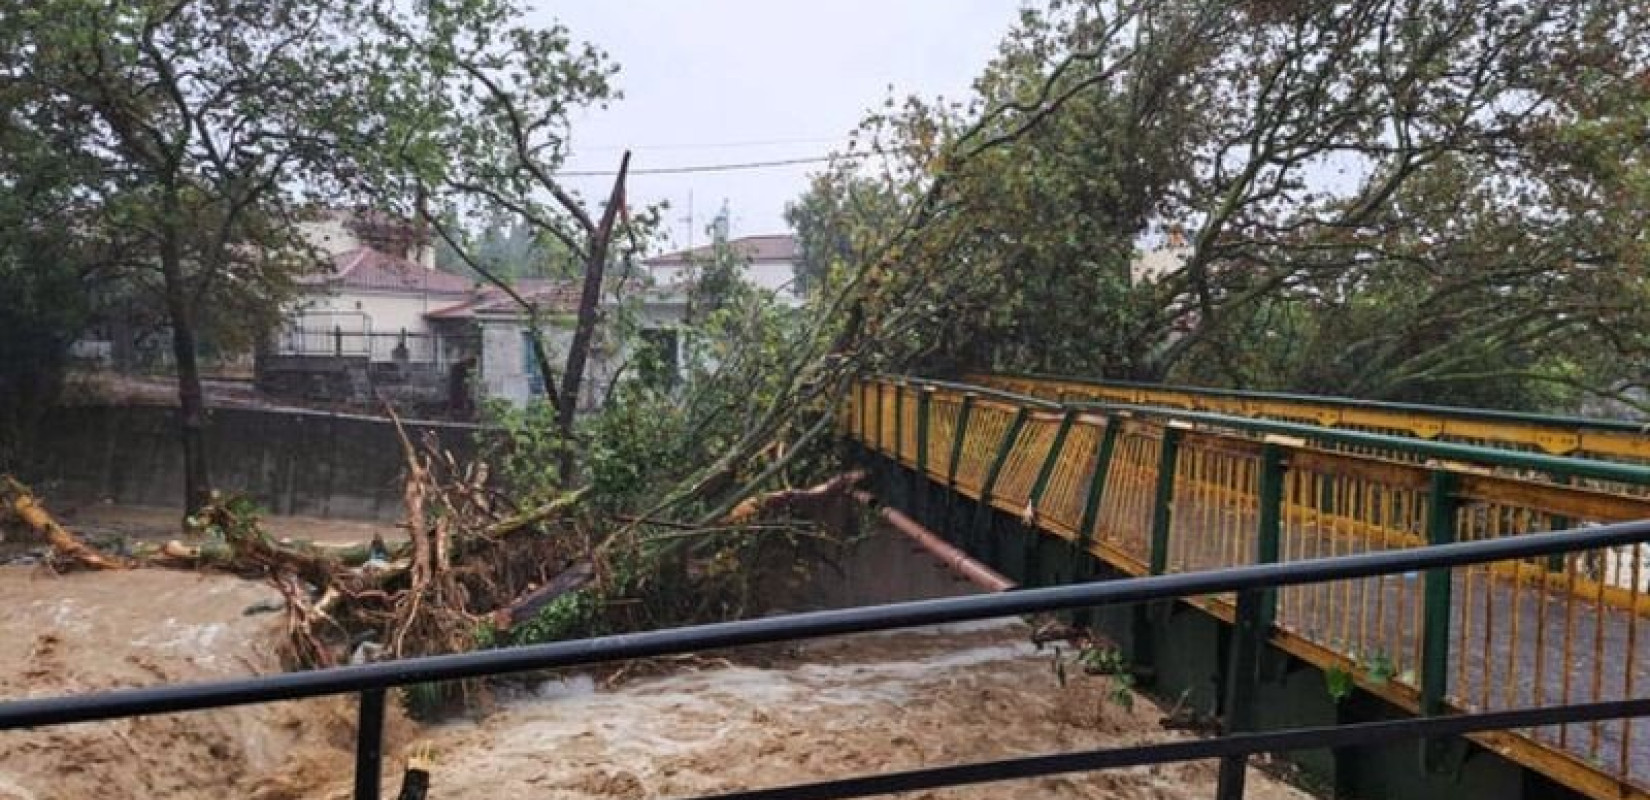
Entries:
{"x":475,"y":570}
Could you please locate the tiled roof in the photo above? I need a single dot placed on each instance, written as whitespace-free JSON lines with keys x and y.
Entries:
{"x":366,"y":268}
{"x":550,"y":296}
{"x":773,"y":247}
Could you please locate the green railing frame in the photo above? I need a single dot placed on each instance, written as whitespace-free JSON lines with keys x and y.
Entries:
{"x":1004,"y":448}
{"x":958,"y":437}
{"x":899,"y":418}
{"x":1559,"y":467}
{"x":1442,"y":505}
{"x":924,"y":395}
{"x":1448,"y":451}
{"x":1055,"y":449}
{"x":1097,"y":482}
{"x":1168,"y":460}
{"x":1255,"y":613}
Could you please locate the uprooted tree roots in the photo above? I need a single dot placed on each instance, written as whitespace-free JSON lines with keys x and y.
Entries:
{"x":477,"y":571}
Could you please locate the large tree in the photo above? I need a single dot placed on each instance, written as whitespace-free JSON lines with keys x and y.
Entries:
{"x":208,"y":121}
{"x":53,"y":267}
{"x":1397,"y":198}
{"x":479,"y":105}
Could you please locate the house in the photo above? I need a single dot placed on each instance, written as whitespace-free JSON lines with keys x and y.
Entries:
{"x":382,"y":322}
{"x":1151,"y":266}
{"x":369,"y":302}
{"x":361,"y":330}
{"x":771,"y":262}
{"x":507,"y":368}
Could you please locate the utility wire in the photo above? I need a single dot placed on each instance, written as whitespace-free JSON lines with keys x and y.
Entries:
{"x":707,"y":145}
{"x":707,"y":167}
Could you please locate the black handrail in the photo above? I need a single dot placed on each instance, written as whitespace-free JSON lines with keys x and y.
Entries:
{"x":372,"y":679}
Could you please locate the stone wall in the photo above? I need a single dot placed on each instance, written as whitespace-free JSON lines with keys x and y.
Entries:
{"x":290,"y":462}
{"x":356,"y":383}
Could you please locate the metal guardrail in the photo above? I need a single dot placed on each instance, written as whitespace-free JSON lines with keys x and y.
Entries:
{"x":1613,"y":440}
{"x":411,"y":347}
{"x":1253,"y":584}
{"x":1153,"y":490}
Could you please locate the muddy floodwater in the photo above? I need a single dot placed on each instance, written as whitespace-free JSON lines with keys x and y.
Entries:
{"x":823,"y":709}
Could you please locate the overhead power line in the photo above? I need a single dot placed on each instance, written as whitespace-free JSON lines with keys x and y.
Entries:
{"x":707,"y":145}
{"x":706,"y":167}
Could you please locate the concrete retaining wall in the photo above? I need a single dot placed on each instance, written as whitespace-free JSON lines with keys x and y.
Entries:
{"x":290,"y":462}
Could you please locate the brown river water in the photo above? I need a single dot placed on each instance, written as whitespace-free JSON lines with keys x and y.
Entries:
{"x":821,"y":709}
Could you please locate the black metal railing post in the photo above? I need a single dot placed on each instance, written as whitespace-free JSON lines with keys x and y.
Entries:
{"x":1241,"y":679}
{"x":369,"y":744}
{"x":1256,"y":610}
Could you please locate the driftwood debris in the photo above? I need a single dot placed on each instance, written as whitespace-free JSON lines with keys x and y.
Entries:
{"x":68,"y":551}
{"x":824,"y":502}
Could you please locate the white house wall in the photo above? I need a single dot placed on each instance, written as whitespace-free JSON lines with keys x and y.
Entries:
{"x":778,"y":277}
{"x":329,"y":235}
{"x":774,"y":276}
{"x":373,"y":312}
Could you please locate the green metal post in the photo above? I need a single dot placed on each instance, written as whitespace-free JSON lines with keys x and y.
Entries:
{"x":1269,"y":524}
{"x":923,"y":396}
{"x":1555,"y":563}
{"x":1054,"y":450}
{"x":1097,"y":483}
{"x":957,"y":439}
{"x":865,"y":409}
{"x":983,"y":519}
{"x":1162,"y":510}
{"x":924,"y":485}
{"x":878,"y":405}
{"x":1004,"y":447}
{"x":1034,"y":538}
{"x":1441,"y":508}
{"x":899,"y":421}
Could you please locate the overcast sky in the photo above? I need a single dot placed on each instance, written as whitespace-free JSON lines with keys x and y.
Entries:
{"x":729,"y":81}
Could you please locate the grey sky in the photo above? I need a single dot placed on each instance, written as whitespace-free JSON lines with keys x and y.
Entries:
{"x":725,"y":81}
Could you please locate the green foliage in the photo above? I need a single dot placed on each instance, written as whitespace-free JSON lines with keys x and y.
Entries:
{"x":508,"y":249}
{"x":571,"y":616}
{"x":1103,"y":661}
{"x":831,"y":222}
{"x":1339,"y":683}
{"x":525,"y":445}
{"x":1353,"y":221}
{"x":636,"y":444}
{"x":1379,"y":668}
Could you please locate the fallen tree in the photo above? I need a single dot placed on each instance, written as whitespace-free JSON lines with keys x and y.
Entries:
{"x":67,"y":550}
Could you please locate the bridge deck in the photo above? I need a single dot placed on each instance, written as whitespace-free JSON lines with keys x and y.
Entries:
{"x":1148,"y":493}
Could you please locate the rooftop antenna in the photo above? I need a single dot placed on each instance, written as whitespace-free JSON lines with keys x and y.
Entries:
{"x":724,"y":220}
{"x":689,"y":220}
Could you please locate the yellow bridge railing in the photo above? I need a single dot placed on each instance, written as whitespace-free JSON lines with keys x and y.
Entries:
{"x":1611,"y":440}
{"x":1151,"y":491}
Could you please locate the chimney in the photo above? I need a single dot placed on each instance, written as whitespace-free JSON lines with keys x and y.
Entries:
{"x":1176,"y":236}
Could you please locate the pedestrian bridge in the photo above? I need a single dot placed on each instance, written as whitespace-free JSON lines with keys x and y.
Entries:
{"x":1057,"y":480}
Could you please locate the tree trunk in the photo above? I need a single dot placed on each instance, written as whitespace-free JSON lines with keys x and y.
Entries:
{"x":197,"y":481}
{"x":578,"y":352}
